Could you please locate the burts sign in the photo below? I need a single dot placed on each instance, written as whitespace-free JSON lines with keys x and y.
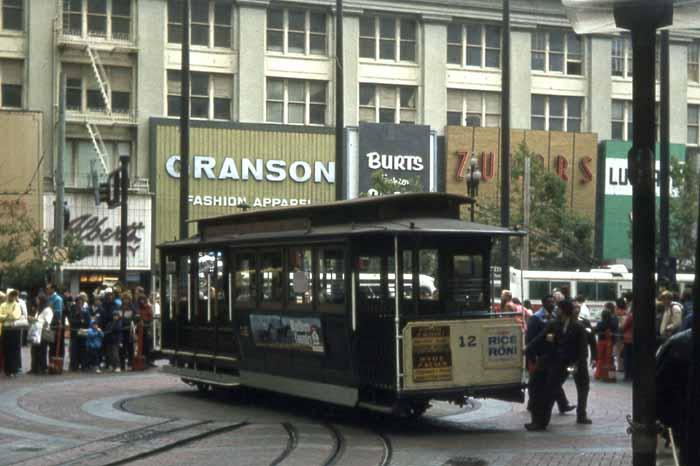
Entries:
{"x":572,"y":156}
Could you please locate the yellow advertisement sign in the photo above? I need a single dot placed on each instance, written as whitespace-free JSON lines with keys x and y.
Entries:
{"x":432,"y":357}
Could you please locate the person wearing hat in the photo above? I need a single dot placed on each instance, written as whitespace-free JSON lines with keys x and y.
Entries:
{"x":10,"y":311}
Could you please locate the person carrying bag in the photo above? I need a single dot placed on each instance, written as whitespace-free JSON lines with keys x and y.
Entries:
{"x":12,"y":323}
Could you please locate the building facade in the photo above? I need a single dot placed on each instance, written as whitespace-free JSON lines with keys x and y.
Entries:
{"x":433,"y":63}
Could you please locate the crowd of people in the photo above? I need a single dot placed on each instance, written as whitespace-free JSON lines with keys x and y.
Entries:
{"x":560,"y":337}
{"x":101,"y":334}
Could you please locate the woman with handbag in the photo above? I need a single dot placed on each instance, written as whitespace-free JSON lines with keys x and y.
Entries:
{"x":42,"y":321}
{"x":12,"y":325}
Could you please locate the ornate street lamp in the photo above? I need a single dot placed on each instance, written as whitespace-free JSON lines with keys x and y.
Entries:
{"x":642,"y":18}
{"x":473,"y":178}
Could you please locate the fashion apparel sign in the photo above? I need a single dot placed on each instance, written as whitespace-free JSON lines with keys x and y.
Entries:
{"x":399,"y":153}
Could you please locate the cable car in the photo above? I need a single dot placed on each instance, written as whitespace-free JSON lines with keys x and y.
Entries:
{"x":380,"y":302}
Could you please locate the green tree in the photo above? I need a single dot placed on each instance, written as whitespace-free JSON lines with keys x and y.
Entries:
{"x":683,"y":214}
{"x":386,"y":184}
{"x":559,"y":237}
{"x":29,"y":255}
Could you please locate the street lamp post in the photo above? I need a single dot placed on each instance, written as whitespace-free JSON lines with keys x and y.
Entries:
{"x":124,"y":156}
{"x":473,"y":178}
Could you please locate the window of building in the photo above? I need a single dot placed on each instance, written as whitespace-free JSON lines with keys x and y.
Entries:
{"x":107,"y":19}
{"x":622,"y":57}
{"x":210,"y":95}
{"x":621,"y":120}
{"x":296,"y":102}
{"x":557,"y":113}
{"x":80,"y":159}
{"x":83,"y":92}
{"x":693,"y":125}
{"x":473,"y":108}
{"x":11,"y":18}
{"x":387,"y":104}
{"x":331,"y":279}
{"x":474,"y":45}
{"x":211,"y":23}
{"x":296,"y":31}
{"x":11,"y":72}
{"x":388,"y":38}
{"x":693,"y":62}
{"x":557,"y":52}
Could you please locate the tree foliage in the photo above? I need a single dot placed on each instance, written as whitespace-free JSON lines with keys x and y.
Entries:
{"x":382,"y":184}
{"x":560,"y":238}
{"x":29,"y":255}
{"x":683,"y":214}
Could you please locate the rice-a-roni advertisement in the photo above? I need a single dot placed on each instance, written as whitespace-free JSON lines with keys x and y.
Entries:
{"x":235,"y":166}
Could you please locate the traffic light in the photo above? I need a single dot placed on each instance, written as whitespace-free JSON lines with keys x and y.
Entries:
{"x":109,"y":192}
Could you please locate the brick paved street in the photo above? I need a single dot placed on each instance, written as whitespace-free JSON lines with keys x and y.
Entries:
{"x":149,"y":418}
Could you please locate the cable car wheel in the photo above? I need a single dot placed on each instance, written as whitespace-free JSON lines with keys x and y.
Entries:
{"x":413,"y":409}
{"x":201,"y":386}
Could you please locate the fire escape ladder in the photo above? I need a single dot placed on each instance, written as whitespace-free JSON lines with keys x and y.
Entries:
{"x":101,"y":75}
{"x":99,"y":145}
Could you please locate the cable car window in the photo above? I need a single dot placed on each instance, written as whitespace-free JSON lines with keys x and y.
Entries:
{"x":428,"y":274}
{"x":587,"y":289}
{"x":391,"y":277}
{"x":407,"y":276}
{"x":331,"y":278}
{"x":245,"y":286}
{"x":538,"y":289}
{"x":271,"y":278}
{"x":300,"y":273}
{"x":169,"y":288}
{"x":206,"y":263}
{"x":607,"y":291}
{"x":466,"y":283}
{"x":369,"y":285}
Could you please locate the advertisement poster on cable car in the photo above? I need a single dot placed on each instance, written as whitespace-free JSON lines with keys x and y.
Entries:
{"x":432,"y":357}
{"x":294,"y":333}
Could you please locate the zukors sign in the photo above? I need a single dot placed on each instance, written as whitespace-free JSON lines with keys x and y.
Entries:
{"x":235,"y":166}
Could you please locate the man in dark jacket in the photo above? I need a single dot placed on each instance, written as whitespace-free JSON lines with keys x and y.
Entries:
{"x":79,"y":319}
{"x":560,"y":345}
{"x":113,"y":340}
{"x":535,"y":326}
{"x":581,"y":376}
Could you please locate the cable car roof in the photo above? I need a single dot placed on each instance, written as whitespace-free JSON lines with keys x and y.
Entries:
{"x":405,"y":226}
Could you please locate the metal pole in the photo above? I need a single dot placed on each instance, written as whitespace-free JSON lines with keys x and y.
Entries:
{"x":643,"y":246}
{"x":123,"y":253}
{"x":505,"y":146}
{"x":692,"y":455}
{"x":525,"y":255}
{"x":60,"y":157}
{"x":664,"y":117}
{"x":339,"y":104}
{"x":185,"y":122}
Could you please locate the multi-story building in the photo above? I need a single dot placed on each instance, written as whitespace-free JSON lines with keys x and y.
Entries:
{"x":434,"y":62}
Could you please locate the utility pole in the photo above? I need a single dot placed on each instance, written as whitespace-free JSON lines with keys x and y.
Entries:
{"x":643,"y":23}
{"x":60,"y":183}
{"x":339,"y":104}
{"x":185,"y":122}
{"x":525,"y":253}
{"x":505,"y":147}
{"x":124,"y":156}
{"x":664,"y":117}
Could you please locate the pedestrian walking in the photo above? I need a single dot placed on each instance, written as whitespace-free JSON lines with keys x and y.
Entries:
{"x":145,"y":314}
{"x":10,"y":316}
{"x":605,"y":332}
{"x":562,"y":345}
{"x":113,"y":341}
{"x":582,"y":378}
{"x":40,"y":345}
{"x":93,"y":346}
{"x":126,"y":353}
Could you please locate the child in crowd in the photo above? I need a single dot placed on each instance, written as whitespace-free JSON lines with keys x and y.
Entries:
{"x":94,"y":345}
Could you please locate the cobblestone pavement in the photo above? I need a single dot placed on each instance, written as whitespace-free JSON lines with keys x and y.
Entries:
{"x":149,"y":418}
